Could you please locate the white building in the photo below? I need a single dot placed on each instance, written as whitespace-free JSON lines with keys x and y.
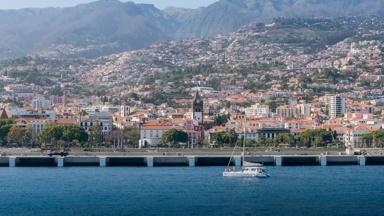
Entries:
{"x":337,"y":105}
{"x":98,"y":118}
{"x":110,"y":109}
{"x":257,"y":110}
{"x":36,"y":124}
{"x":305,"y":110}
{"x":354,"y":136}
{"x":152,"y":132}
{"x":287,"y":112}
{"x":40,"y":103}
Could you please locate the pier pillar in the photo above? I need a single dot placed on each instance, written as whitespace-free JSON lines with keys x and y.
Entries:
{"x":278,"y":161}
{"x":191,"y":161}
{"x":237,"y":160}
{"x":323,"y":161}
{"x":60,"y":162}
{"x":149,"y":161}
{"x":362,"y":160}
{"x":103,"y":161}
{"x":12,"y":161}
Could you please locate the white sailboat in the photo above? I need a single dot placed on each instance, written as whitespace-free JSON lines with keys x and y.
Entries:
{"x":247,"y":169}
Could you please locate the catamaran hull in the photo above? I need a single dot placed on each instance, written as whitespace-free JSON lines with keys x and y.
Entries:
{"x":241,"y":174}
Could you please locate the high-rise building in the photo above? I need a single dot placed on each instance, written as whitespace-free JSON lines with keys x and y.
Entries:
{"x":337,"y":105}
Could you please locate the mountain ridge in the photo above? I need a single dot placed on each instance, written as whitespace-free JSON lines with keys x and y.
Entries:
{"x":125,"y":26}
{"x":227,"y":15}
{"x":109,"y":26}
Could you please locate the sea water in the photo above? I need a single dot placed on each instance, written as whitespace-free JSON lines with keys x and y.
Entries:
{"x":344,"y":190}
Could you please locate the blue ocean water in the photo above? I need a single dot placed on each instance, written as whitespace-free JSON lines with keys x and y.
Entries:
{"x":289,"y":191}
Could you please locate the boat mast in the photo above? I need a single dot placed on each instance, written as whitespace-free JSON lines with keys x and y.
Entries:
{"x":244,"y":137}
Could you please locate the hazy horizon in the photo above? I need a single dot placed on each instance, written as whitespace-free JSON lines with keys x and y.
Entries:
{"x":19,"y":4}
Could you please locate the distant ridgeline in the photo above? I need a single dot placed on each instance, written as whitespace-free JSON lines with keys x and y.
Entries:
{"x":290,"y":35}
{"x":110,"y":26}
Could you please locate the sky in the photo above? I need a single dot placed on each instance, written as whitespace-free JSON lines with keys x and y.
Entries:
{"x":17,"y":4}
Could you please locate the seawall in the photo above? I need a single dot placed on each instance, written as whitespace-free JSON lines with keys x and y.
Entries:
{"x":185,"y":161}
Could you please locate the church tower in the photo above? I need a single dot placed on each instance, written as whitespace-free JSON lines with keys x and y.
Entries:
{"x":198,"y":109}
{"x":125,"y":110}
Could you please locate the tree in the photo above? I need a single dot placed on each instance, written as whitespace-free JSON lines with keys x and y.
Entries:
{"x":374,"y":139}
{"x":283,"y":138}
{"x":262,"y":140}
{"x":132,"y":95}
{"x":60,"y":135}
{"x":225,"y":137}
{"x":367,"y":139}
{"x":96,"y":135}
{"x":218,"y":138}
{"x":83,"y":113}
{"x":50,"y":134}
{"x":251,"y":85}
{"x":27,"y":139}
{"x":15,"y":136}
{"x":132,"y":134}
{"x":73,"y":133}
{"x":174,"y":137}
{"x":20,"y":137}
{"x":214,"y":83}
{"x":316,"y":137}
{"x":231,"y":137}
{"x":221,"y":119}
{"x":116,"y":139}
{"x":378,"y":139}
{"x":5,"y":126}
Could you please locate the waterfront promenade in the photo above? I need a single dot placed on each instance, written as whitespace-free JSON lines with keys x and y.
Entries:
{"x":176,"y":151}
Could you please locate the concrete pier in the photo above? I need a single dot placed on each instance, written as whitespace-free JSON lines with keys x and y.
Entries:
{"x":362,"y":160}
{"x":191,"y":161}
{"x":323,"y":161}
{"x":278,"y":161}
{"x":150,"y":162}
{"x":60,"y":162}
{"x":12,"y":161}
{"x":103,"y":161}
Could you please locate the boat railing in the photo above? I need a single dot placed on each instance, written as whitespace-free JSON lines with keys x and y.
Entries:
{"x":232,"y":169}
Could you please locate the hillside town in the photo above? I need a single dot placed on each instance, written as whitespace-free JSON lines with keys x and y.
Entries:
{"x":348,"y":122}
{"x":212,"y":92}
